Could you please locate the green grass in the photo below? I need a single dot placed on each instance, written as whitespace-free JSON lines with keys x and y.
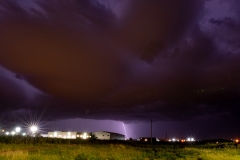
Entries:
{"x":55,"y":149}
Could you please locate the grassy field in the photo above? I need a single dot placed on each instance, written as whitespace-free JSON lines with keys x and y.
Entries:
{"x":53,"y":149}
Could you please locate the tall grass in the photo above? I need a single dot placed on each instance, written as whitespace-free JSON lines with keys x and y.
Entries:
{"x":29,"y":148}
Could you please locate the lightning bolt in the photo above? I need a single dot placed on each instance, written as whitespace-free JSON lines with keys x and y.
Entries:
{"x":125,"y":130}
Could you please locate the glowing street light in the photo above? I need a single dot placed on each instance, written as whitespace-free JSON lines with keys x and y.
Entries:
{"x":18,"y":129}
{"x":33,"y":129}
{"x":7,"y":133}
{"x":24,"y":134}
{"x":190,"y":139}
{"x":13,"y":133}
{"x":84,"y":135}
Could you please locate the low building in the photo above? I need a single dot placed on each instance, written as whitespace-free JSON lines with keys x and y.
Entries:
{"x":104,"y":135}
{"x":44,"y":135}
{"x":68,"y":135}
{"x":148,"y":139}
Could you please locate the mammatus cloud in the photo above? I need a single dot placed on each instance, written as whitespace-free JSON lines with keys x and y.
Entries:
{"x":121,"y":60}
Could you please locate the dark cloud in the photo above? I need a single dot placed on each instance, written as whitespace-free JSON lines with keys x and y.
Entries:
{"x":90,"y":59}
{"x":151,"y":26}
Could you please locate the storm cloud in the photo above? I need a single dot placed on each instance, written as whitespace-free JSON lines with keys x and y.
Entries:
{"x":122,"y":60}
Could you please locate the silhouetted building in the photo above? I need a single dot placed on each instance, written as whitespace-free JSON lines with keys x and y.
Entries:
{"x":148,"y":139}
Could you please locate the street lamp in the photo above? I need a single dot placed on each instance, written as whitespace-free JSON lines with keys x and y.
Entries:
{"x":33,"y":129}
{"x":18,"y":129}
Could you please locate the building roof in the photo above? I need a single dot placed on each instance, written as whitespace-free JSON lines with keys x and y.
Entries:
{"x":111,"y":132}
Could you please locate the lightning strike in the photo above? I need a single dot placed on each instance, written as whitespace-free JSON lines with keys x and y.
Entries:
{"x":125,"y":130}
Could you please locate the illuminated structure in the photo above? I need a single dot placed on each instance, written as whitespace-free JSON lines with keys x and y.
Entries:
{"x":68,"y":135}
{"x":104,"y":135}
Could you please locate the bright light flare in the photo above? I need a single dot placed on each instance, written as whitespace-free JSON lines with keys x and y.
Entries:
{"x":32,"y":122}
{"x":190,"y":139}
{"x":18,"y":129}
{"x":84,"y":136}
{"x":34,"y":129}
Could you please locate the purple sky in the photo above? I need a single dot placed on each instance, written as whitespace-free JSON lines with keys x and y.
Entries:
{"x":97,"y":63}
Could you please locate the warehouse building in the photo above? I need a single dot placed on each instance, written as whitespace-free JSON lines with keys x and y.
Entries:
{"x":69,"y":135}
{"x":104,"y":135}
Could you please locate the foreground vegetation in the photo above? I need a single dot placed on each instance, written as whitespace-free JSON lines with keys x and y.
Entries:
{"x":19,"y":148}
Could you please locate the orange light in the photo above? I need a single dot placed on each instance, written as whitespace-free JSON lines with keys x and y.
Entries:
{"x":237,"y":140}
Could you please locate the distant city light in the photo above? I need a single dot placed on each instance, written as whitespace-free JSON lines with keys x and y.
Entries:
{"x":7,"y":133}
{"x":173,"y":140}
{"x":12,"y":133}
{"x":24,"y":134}
{"x":237,"y":140}
{"x":190,"y":139}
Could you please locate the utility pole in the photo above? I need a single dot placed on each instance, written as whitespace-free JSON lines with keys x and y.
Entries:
{"x":151,"y":131}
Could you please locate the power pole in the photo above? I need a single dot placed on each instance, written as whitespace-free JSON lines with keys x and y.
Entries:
{"x":151,"y":131}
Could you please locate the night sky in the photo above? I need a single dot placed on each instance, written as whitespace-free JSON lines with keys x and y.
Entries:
{"x":98,"y":64}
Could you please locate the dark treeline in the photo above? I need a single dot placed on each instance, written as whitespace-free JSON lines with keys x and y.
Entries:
{"x":214,"y":143}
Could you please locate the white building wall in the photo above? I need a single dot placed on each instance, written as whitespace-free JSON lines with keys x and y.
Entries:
{"x":102,"y":135}
{"x":116,"y":136}
{"x":65,"y":135}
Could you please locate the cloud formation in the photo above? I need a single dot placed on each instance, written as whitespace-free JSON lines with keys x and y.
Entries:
{"x":121,"y":60}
